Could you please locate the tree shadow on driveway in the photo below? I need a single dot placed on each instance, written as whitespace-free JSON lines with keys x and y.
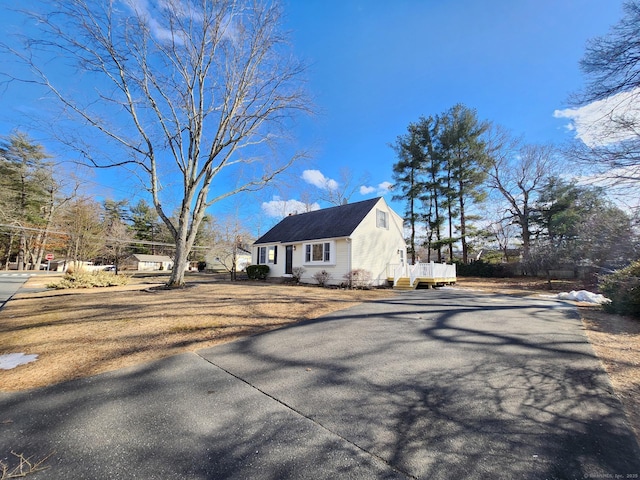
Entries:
{"x":430,"y":384}
{"x":442,"y":384}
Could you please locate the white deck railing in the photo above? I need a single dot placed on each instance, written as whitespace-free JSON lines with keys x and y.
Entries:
{"x":430,"y":270}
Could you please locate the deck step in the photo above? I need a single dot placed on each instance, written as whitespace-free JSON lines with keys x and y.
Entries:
{"x":403,"y":283}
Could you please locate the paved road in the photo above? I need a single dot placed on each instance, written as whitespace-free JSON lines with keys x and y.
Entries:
{"x":10,"y":283}
{"x":429,"y":384}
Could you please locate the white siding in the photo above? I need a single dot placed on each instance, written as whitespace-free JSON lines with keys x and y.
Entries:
{"x":369,"y":248}
{"x":275,"y":269}
{"x":375,"y":248}
{"x":337,"y":269}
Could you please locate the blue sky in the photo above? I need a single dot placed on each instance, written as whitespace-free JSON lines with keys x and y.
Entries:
{"x":378,"y":65}
{"x":375,"y":66}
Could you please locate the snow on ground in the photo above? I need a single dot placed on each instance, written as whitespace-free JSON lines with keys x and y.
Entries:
{"x":583,"y":296}
{"x":12,"y":360}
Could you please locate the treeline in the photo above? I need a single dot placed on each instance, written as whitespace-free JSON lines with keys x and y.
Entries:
{"x":466,"y":182}
{"x":42,"y":211}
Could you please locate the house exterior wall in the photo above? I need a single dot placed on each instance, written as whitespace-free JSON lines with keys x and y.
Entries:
{"x":277,"y":264}
{"x":371,"y":247}
{"x":337,"y":267}
{"x":147,"y":265}
{"x":374,"y":247}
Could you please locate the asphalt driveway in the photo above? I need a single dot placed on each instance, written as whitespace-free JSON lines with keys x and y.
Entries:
{"x":10,"y":283}
{"x":435,"y":384}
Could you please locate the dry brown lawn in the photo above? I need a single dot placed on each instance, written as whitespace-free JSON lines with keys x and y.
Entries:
{"x":77,"y":333}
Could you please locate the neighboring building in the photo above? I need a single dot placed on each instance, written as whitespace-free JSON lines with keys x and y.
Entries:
{"x":364,"y":235}
{"x":147,"y":263}
{"x":221,"y":259}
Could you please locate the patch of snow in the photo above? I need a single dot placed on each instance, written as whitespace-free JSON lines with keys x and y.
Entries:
{"x":12,"y":360}
{"x":583,"y":296}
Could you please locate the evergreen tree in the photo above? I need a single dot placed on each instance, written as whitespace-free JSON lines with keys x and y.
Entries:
{"x":407,"y":175}
{"x":27,"y":198}
{"x":146,"y":226}
{"x":465,"y":152}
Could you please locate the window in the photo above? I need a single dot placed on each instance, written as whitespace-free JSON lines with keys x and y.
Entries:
{"x":381,"y":219}
{"x":317,"y":252}
{"x":272,"y":254}
{"x":268,"y":255}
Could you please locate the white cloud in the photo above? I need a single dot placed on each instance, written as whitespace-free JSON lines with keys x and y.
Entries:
{"x":279,"y":208}
{"x":180,"y":9}
{"x":605,"y":122}
{"x":614,"y":181}
{"x":382,"y":189}
{"x":317,"y":179}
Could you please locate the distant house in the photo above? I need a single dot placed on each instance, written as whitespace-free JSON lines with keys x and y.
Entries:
{"x":220,"y":259}
{"x":365,"y":235}
{"x":147,"y":263}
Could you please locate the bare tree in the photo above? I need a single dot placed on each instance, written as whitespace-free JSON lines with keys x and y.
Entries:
{"x":340,"y":192}
{"x":518,"y":172}
{"x":186,"y":89}
{"x":231,"y":241}
{"x":612,"y":65}
{"x":82,"y":223}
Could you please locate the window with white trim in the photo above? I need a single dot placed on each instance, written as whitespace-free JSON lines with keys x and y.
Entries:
{"x":382,"y":219}
{"x":320,"y":252}
{"x":268,"y":255}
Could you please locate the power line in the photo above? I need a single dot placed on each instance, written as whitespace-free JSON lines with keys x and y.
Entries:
{"x":107,"y":239}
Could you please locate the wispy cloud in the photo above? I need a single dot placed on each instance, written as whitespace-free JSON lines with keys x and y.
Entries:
{"x":150,"y":13}
{"x":278,"y":208}
{"x":317,"y":179}
{"x":142,"y":10}
{"x":605,"y":122}
{"x":382,"y":189}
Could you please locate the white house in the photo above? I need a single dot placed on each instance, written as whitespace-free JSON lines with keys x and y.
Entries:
{"x":142,"y":262}
{"x":363,"y":235}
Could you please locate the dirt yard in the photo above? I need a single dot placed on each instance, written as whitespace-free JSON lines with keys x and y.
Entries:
{"x":77,"y":333}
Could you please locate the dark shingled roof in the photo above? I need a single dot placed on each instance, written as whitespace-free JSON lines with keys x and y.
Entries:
{"x":331,"y":222}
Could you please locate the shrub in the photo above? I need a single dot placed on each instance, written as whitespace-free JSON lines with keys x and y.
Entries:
{"x":623,"y":288}
{"x":480,"y":268}
{"x":257,"y":272}
{"x":81,"y":279}
{"x":358,"y":278}
{"x":322,"y":277}
{"x":297,"y":273}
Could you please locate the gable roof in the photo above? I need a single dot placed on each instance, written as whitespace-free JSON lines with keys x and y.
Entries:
{"x":331,"y":222}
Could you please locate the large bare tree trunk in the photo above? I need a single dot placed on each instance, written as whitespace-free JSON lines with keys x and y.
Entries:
{"x":186,"y":89}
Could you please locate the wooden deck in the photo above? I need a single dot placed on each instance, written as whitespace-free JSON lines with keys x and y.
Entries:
{"x":421,"y":275}
{"x":404,"y":283}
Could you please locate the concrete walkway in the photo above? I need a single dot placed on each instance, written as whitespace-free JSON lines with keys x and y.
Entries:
{"x":433,"y":384}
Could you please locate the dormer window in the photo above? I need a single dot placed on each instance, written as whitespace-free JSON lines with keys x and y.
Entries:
{"x":382,"y":219}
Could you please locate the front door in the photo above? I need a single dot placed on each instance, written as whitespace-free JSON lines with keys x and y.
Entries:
{"x":288,"y":262}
